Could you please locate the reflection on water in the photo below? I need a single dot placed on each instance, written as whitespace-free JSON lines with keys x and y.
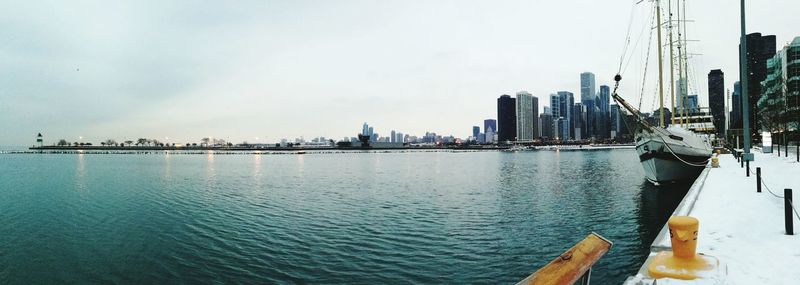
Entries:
{"x":431,"y":218}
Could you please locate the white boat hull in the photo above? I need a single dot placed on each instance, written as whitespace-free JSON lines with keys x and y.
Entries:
{"x":671,"y":156}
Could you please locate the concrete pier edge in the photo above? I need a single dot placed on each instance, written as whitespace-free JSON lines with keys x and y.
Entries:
{"x":662,"y":243}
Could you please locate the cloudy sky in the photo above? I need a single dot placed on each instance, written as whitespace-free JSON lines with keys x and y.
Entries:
{"x":265,"y":70}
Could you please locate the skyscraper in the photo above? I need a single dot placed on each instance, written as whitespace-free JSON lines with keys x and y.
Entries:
{"x":535,"y":117}
{"x":716,"y":99}
{"x":475,"y":131}
{"x":546,"y":121}
{"x":555,"y":102}
{"x":779,"y":105}
{"x":525,"y":119}
{"x":566,"y":101}
{"x":602,"y":122}
{"x":736,"y":107}
{"x":587,"y":86}
{"x":506,"y":118}
{"x":578,"y":121}
{"x":692,"y":106}
{"x":681,"y":98}
{"x":615,"y":122}
{"x":759,"y":50}
{"x":588,"y":100}
{"x":605,"y":98}
{"x":393,"y":136}
{"x":489,"y":123}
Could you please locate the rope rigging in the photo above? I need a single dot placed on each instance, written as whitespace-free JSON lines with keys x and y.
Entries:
{"x":764,"y":182}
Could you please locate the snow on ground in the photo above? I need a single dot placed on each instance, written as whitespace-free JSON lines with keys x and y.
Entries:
{"x":745,"y":229}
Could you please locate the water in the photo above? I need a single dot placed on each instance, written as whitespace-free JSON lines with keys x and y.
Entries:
{"x":356,"y":218}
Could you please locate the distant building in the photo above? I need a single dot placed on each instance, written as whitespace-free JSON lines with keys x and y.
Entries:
{"x":562,"y":129}
{"x":588,"y":100}
{"x":603,"y":101}
{"x":525,"y":119}
{"x":393,"y":136}
{"x":779,"y":105}
{"x":759,"y":50}
{"x":578,"y":121}
{"x":681,"y":98}
{"x":475,"y":131}
{"x":535,"y":118}
{"x":546,"y":121}
{"x":587,"y":86}
{"x":735,"y":121}
{"x":716,"y":99}
{"x":489,"y":123}
{"x":615,"y":121}
{"x":506,"y":118}
{"x":490,"y":135}
{"x":566,"y":101}
{"x":691,"y":106}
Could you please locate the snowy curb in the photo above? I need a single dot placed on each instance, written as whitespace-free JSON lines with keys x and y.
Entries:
{"x":662,"y":243}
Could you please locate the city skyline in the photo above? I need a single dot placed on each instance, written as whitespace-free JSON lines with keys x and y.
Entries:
{"x":257,"y":72}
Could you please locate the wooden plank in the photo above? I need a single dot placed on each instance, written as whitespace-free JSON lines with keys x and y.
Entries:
{"x":572,"y":264}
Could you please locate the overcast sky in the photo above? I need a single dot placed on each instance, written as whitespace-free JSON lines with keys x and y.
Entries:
{"x":241,"y":70}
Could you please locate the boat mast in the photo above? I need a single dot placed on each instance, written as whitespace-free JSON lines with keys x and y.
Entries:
{"x":685,"y":67}
{"x":660,"y":68}
{"x":671,"y":68}
{"x":680,"y":70}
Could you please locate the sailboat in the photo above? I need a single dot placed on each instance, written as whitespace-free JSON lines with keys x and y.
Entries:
{"x":667,"y":154}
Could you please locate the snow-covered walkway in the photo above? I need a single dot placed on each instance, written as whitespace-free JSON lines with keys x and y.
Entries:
{"x":745,"y":229}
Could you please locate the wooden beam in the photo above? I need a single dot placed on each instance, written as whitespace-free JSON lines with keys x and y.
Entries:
{"x":571,"y":265}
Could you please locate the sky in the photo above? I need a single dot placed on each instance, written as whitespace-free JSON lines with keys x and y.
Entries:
{"x":259,"y":71}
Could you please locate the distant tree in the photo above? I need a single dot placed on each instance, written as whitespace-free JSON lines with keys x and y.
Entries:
{"x":103,"y":143}
{"x":62,"y":142}
{"x":141,"y":141}
{"x":194,"y":144}
{"x":204,"y":141}
{"x":89,"y":144}
{"x":75,"y":143}
{"x":128,"y":142}
{"x":81,"y":144}
{"x":110,"y":142}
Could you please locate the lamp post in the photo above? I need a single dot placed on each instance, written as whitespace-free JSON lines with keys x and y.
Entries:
{"x":743,"y":74}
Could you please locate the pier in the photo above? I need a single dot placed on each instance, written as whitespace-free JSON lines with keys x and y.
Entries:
{"x":750,"y":232}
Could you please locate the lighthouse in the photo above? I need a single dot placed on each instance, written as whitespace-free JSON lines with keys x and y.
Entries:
{"x":39,"y":139}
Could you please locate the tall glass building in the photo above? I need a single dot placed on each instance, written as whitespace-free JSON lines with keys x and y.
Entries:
{"x":506,"y":119}
{"x":716,"y":99}
{"x":525,"y":118}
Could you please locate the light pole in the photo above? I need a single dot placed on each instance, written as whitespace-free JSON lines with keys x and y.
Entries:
{"x":743,"y":74}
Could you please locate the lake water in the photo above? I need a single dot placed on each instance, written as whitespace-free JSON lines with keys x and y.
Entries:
{"x":355,"y":218}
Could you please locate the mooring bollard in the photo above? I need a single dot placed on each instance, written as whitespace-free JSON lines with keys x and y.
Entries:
{"x":748,"y":168}
{"x":787,"y":212}
{"x":741,"y":161}
{"x":758,"y":179}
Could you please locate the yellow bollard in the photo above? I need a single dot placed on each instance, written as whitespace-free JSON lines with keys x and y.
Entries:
{"x":683,"y":235}
{"x":715,"y":162}
{"x":682,"y":262}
